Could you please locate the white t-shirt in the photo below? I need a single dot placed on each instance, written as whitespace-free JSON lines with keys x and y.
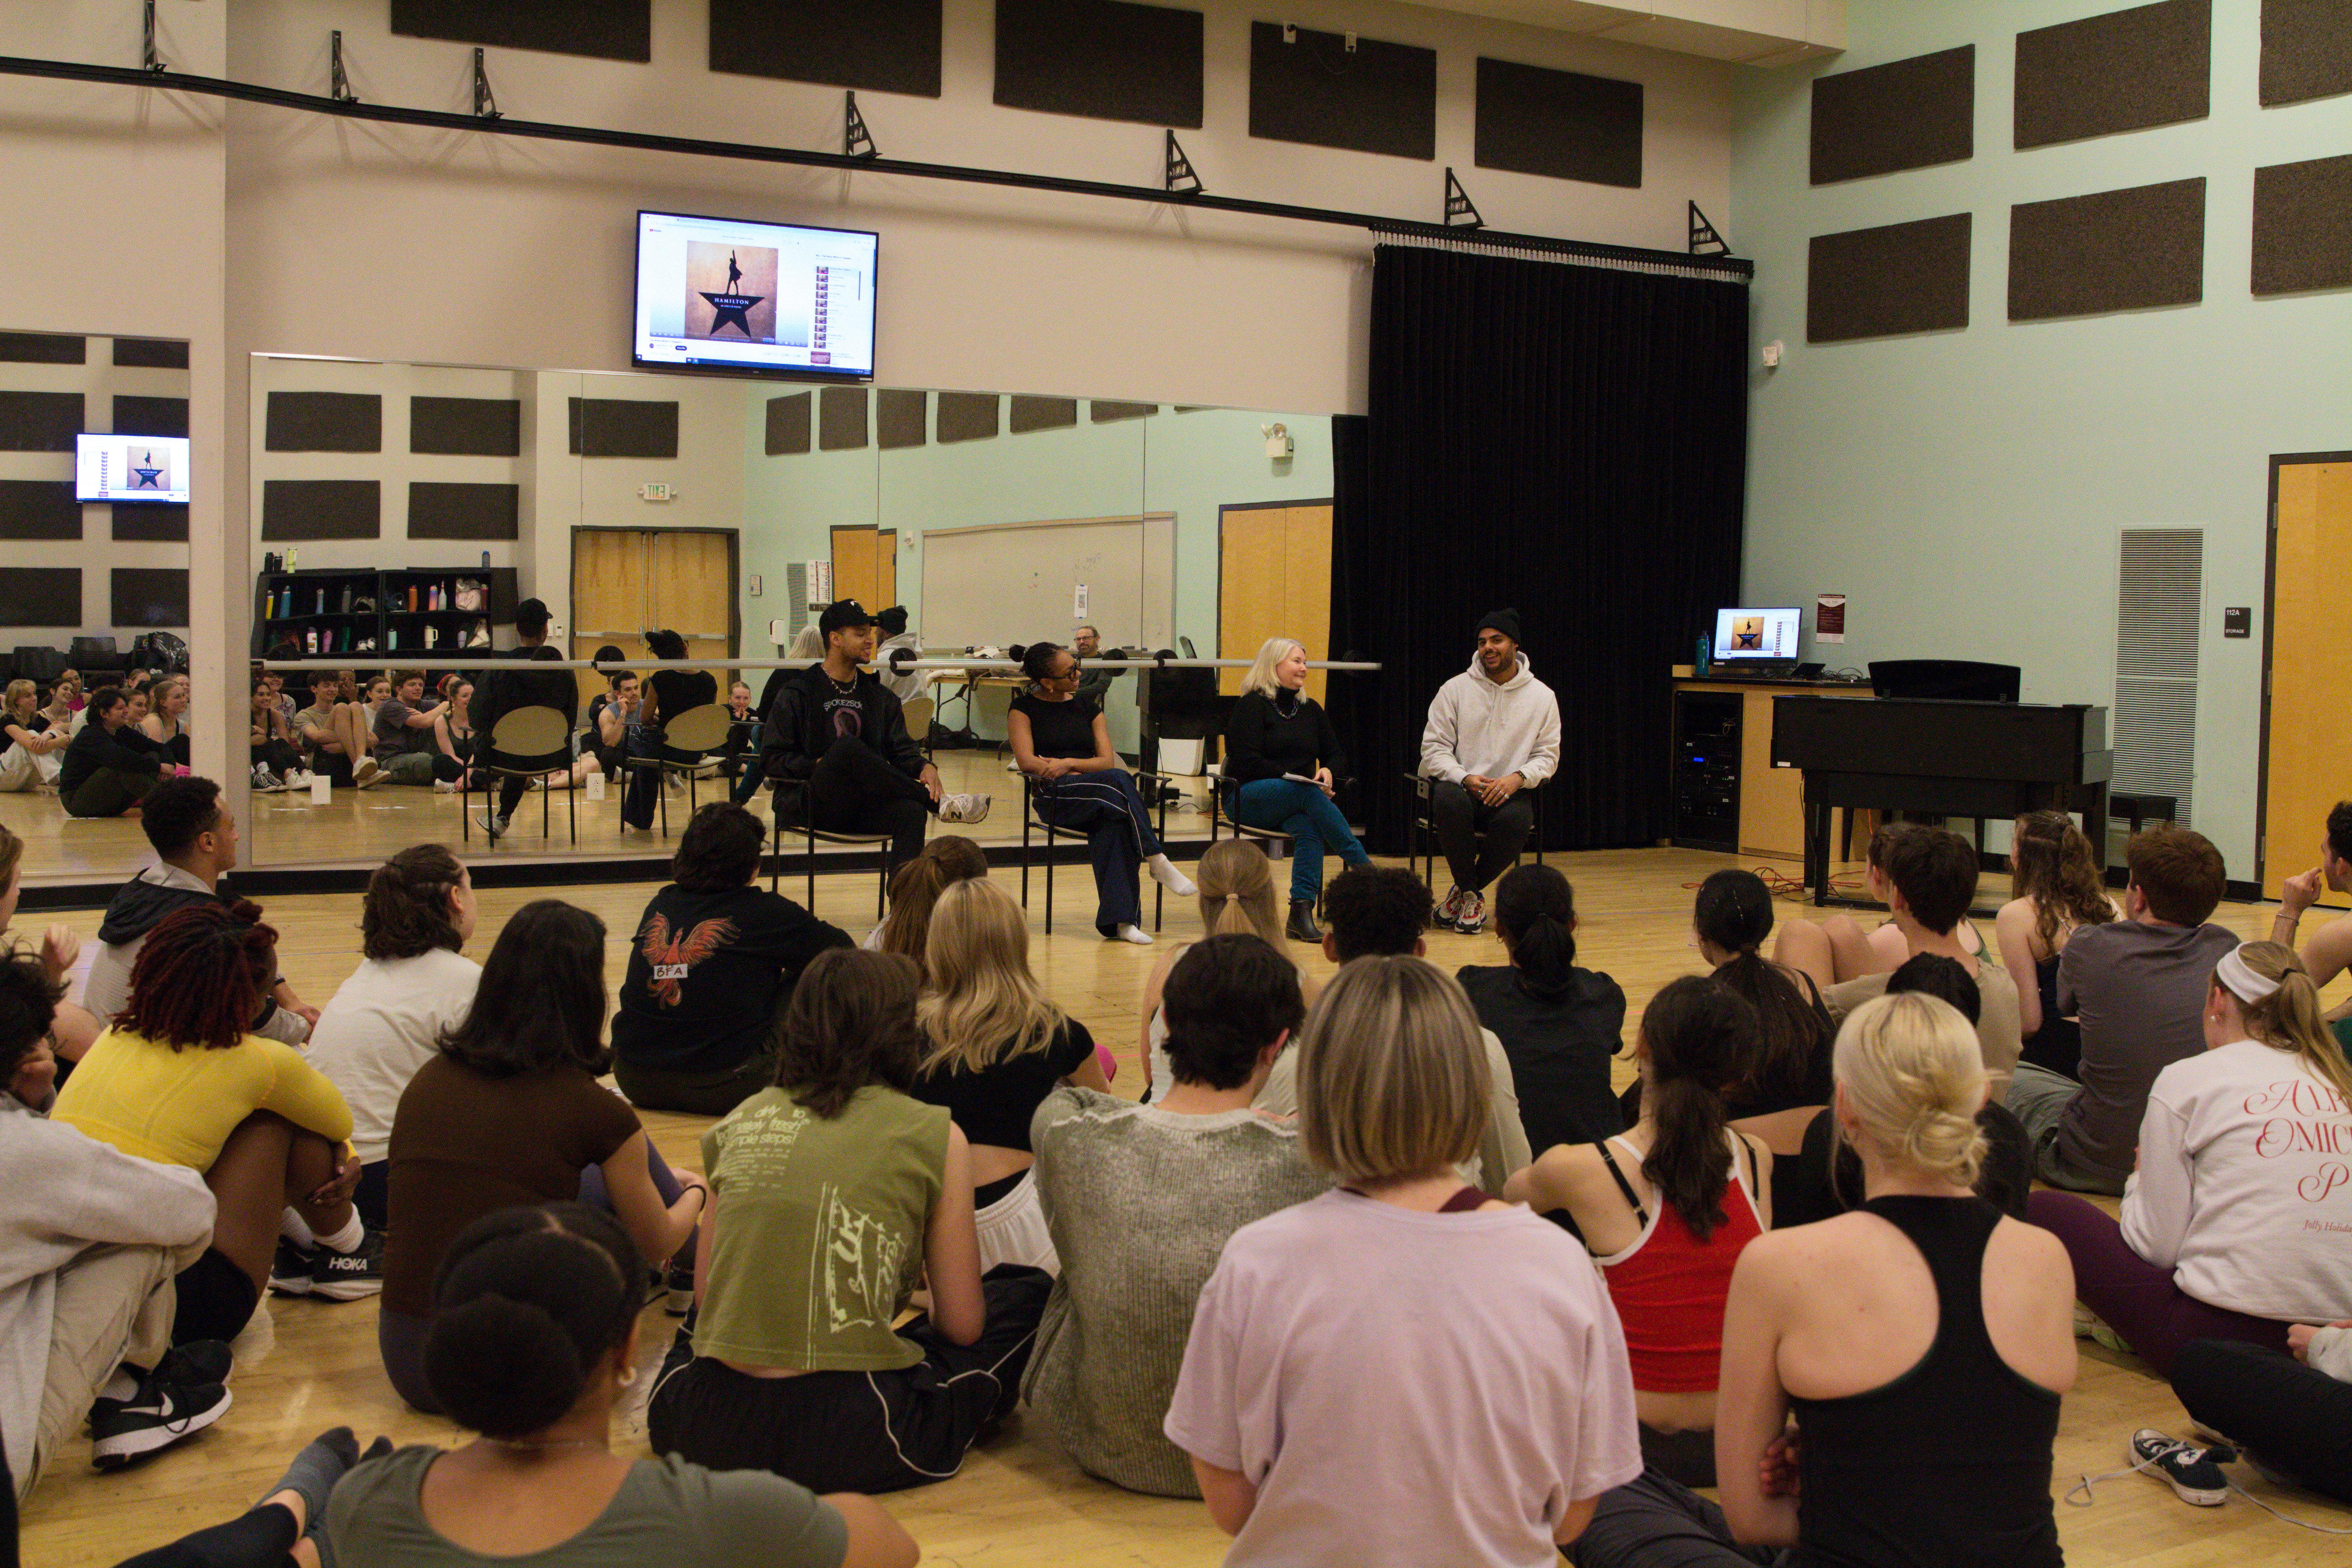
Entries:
{"x":382,"y":1025}
{"x":1406,"y":1387}
{"x":2244,"y":1185}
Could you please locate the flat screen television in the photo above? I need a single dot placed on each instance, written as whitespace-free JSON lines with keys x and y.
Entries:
{"x":728,"y":294}
{"x":1759,"y":635}
{"x":131,"y":467}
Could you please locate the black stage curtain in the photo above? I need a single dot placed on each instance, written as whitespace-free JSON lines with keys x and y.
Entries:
{"x":1568,"y":440}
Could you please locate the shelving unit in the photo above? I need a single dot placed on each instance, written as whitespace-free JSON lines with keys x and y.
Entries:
{"x":403,"y":617}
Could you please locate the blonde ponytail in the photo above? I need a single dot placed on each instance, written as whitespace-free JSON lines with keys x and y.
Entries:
{"x":1914,"y":1078}
{"x":2290,"y":1018}
{"x":1236,"y":880}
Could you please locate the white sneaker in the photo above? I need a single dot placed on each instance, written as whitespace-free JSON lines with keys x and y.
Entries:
{"x":964,"y":808}
{"x":1135,"y":935}
{"x":445,"y":786}
{"x":365,"y":774}
{"x":298,"y":779}
{"x":1164,"y":872}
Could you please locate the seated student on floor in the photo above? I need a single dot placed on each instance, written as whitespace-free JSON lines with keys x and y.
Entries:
{"x":334,"y":731}
{"x":533,"y":1349}
{"x":1141,"y":1198}
{"x":1922,"y":1345}
{"x":2327,"y":952}
{"x":1381,"y":911}
{"x":1931,"y":877}
{"x":2055,"y":889}
{"x":270,"y":750}
{"x":1789,"y":1063}
{"x":73,"y":1028}
{"x":509,"y":1111}
{"x":915,"y":889}
{"x":838,"y":1193}
{"x":670,"y":693}
{"x":1237,"y":898}
{"x":1284,"y":756}
{"x":179,"y":1078}
{"x":188,"y":822}
{"x":453,"y":736}
{"x":1561,"y":1025}
{"x":165,"y":722}
{"x":2232,"y":1225}
{"x":1666,"y":1213}
{"x":1403,"y":1369}
{"x":2139,"y":986}
{"x":90,"y":1238}
{"x":1820,"y":1175}
{"x":404,"y":747}
{"x":1062,"y":742}
{"x":998,"y":1045}
{"x":413,"y":985}
{"x":107,"y":770}
{"x":714,"y":960}
{"x":2286,"y":1411}
{"x":30,"y":747}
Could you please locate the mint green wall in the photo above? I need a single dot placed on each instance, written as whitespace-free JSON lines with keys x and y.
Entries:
{"x":1966,"y":488}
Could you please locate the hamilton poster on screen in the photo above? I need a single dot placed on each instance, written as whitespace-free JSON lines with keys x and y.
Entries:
{"x":731,"y":293}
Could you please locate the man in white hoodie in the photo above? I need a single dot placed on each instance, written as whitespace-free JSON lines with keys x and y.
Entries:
{"x":1493,"y":733}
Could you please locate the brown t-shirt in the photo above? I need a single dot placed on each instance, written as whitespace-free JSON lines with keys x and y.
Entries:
{"x":464,"y":1143}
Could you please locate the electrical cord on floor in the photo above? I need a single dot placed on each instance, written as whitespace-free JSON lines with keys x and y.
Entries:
{"x":1780,"y":884}
{"x":2220,"y":1454}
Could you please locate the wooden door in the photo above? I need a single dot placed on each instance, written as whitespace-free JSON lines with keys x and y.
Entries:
{"x":885,"y":569}
{"x":608,"y":599}
{"x":690,"y":583}
{"x":2308,"y":710}
{"x":626,"y":583}
{"x":856,"y":566}
{"x":1274,"y":579}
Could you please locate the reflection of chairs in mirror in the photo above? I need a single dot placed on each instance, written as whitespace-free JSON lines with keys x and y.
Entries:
{"x":689,"y":744}
{"x":529,"y":736}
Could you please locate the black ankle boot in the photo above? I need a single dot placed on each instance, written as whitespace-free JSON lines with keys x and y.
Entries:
{"x":1302,"y":922}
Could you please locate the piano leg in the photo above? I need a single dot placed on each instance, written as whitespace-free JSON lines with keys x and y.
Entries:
{"x":1816,"y":850}
{"x":2095,"y":824}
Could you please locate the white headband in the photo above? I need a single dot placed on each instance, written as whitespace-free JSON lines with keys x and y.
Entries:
{"x":2237,"y":976}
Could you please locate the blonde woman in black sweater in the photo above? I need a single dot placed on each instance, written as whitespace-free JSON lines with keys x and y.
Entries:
{"x":1282,"y":751}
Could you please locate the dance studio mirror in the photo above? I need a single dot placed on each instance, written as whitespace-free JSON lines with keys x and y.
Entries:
{"x":94,"y":478}
{"x":724,"y":510}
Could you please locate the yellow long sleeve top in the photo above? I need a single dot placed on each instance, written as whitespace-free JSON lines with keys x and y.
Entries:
{"x":179,"y":1107}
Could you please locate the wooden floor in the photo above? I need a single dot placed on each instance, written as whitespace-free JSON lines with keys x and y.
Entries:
{"x":307,"y":1365}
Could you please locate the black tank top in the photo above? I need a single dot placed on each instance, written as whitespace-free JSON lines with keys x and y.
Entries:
{"x":1949,"y":1464}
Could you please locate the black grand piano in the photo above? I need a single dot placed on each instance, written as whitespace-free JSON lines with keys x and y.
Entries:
{"x":1941,"y":757}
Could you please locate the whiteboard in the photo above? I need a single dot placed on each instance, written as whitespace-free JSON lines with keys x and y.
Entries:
{"x":1003,"y":583}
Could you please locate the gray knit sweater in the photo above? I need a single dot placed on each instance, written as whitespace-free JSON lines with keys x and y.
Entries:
{"x":1140,"y":1201}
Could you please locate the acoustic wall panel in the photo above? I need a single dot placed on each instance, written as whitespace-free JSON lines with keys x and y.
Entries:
{"x":1106,"y":59}
{"x":149,"y":595}
{"x":624,"y":427}
{"x":151,"y":415}
{"x":465,"y":427}
{"x":41,"y":596}
{"x":608,"y":29}
{"x":967,"y":416}
{"x":1905,"y":114}
{"x":295,"y":510}
{"x":2116,"y":251}
{"x":39,"y":508}
{"x":45,"y":348}
{"x":889,"y":45}
{"x":2126,"y":70}
{"x":788,"y":425}
{"x":323,"y":422}
{"x":150,"y":521}
{"x":1877,"y":282}
{"x":841,"y":418}
{"x":1044,"y":414}
{"x":152,"y":354}
{"x":440,"y":509}
{"x":2306,"y":50}
{"x":1376,"y":98}
{"x":39,"y":422}
{"x":901,"y":418}
{"x":2303,"y":225}
{"x":1564,"y":124}
{"x":1103,"y":412}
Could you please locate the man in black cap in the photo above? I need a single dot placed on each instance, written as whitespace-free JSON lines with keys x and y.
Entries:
{"x":837,"y":727}
{"x":505,"y":686}
{"x":1493,"y":732}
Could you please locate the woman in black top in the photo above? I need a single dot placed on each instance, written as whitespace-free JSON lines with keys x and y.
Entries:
{"x":1559,"y":1024}
{"x":1281,"y":749}
{"x":104,"y":772}
{"x":1061,"y":743}
{"x":668,"y":693}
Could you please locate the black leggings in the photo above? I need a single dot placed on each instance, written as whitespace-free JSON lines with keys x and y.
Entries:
{"x":2295,"y":1420}
{"x":261,"y":1537}
{"x":1462,"y":819}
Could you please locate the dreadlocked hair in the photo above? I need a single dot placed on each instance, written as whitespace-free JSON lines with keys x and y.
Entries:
{"x":200,"y":977}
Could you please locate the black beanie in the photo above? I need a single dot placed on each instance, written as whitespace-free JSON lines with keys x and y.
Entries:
{"x":1504,"y":621}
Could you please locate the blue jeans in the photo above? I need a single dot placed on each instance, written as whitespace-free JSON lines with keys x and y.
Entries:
{"x":1313,"y":821}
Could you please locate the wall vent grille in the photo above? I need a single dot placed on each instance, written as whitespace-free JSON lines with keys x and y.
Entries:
{"x":2158,"y":610}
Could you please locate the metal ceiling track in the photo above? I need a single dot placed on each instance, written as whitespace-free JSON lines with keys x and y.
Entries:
{"x":1727,"y":267}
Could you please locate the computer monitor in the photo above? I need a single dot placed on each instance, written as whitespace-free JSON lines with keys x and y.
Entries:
{"x":1760,"y":636}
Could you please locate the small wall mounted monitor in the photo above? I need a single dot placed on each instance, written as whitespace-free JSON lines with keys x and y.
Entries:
{"x":130,"y":468}
{"x":728,"y":294}
{"x":1768,"y":636}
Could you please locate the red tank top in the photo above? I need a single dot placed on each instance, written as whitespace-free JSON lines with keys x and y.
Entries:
{"x":1669,"y":1287}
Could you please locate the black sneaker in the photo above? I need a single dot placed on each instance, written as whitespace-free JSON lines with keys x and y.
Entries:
{"x":2192,"y":1472}
{"x":197,"y":1362}
{"x":348,"y":1276}
{"x":158,"y":1415}
{"x":679,"y":1282}
{"x":290,"y":1271}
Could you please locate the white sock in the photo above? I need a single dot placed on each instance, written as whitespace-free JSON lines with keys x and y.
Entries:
{"x":1164,"y":872}
{"x":1135,"y":935}
{"x":347,"y":1239}
{"x":296,"y":1230}
{"x":123,"y":1384}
